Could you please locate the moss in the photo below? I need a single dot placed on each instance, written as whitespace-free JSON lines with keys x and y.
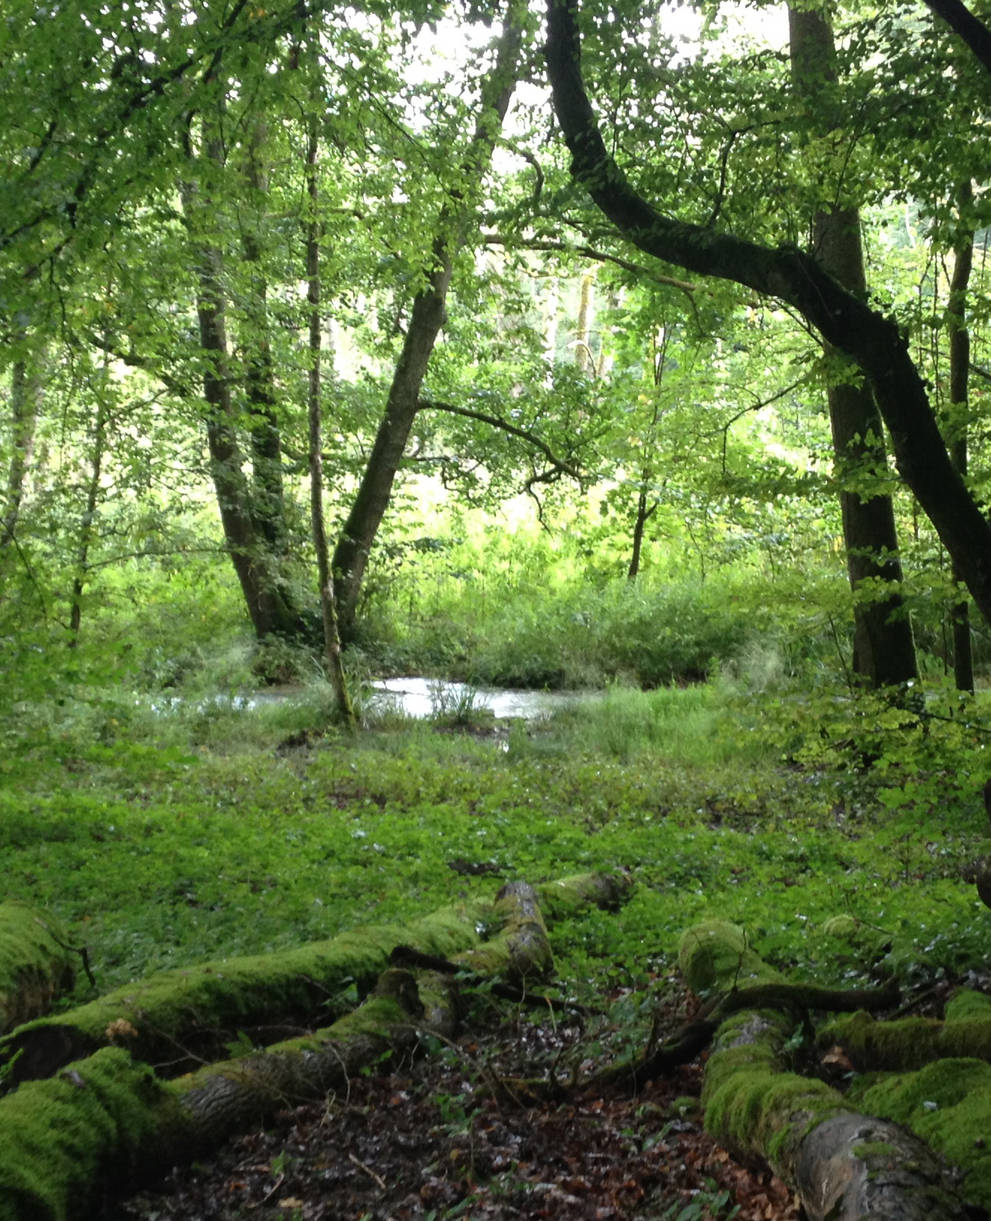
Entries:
{"x":35,"y":964}
{"x":716,"y":955}
{"x":59,"y":1134}
{"x":908,"y":1043}
{"x":966,"y":1003}
{"x":751,"y":1103}
{"x":874,"y":1149}
{"x":213,"y":998}
{"x":570,"y":896}
{"x":948,"y":1104}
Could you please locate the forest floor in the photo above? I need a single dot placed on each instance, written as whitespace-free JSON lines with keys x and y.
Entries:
{"x":165,"y":840}
{"x":455,"y":1135}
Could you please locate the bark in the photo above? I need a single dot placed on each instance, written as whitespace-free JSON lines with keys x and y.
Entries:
{"x":267,"y":492}
{"x":325,"y":573}
{"x":87,"y":524}
{"x":271,"y":609}
{"x":843,"y":319}
{"x":427,"y":318}
{"x":883,"y":650}
{"x":26,"y":389}
{"x":843,"y":1165}
{"x":956,"y":311}
{"x":107,"y":1115}
{"x":36,"y":963}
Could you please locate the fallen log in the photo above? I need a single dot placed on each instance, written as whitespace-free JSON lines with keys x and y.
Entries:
{"x":184,"y":1017}
{"x":36,"y":963}
{"x":912,"y":1043}
{"x":843,"y":1164}
{"x":109,"y":1110}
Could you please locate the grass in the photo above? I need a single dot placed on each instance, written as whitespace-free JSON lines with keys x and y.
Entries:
{"x":169,"y":837}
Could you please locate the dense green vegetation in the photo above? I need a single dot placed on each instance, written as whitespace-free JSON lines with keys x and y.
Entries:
{"x":325,"y":355}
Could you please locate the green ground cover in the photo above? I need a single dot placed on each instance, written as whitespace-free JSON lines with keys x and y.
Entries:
{"x":168,"y":837}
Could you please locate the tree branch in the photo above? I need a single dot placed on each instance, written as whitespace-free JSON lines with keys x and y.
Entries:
{"x":588,"y":252}
{"x":843,"y":319}
{"x":560,"y":464}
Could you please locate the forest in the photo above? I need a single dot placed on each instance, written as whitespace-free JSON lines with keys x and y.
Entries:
{"x":631,"y":356}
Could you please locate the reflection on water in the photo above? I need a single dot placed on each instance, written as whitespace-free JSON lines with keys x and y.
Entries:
{"x":424,"y":697}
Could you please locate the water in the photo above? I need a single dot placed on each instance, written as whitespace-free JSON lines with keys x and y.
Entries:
{"x":424,"y":697}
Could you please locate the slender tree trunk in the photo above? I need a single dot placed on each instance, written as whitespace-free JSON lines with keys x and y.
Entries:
{"x":957,"y":441}
{"x":646,"y":510}
{"x":427,"y":318}
{"x":583,"y":352}
{"x":88,"y":522}
{"x":884,"y":651}
{"x":328,"y":593}
{"x":269,"y":607}
{"x":25,"y":402}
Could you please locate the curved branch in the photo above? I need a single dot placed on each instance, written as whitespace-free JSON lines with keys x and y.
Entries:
{"x":495,"y":421}
{"x":589,"y":252}
{"x":962,"y":21}
{"x":843,"y":319}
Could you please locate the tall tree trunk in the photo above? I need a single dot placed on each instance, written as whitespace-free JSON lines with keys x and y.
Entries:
{"x":267,"y":493}
{"x":269,"y":606}
{"x":328,"y":593}
{"x":87,"y":523}
{"x":884,"y":651}
{"x":427,"y":318}
{"x":843,"y":319}
{"x":956,"y":311}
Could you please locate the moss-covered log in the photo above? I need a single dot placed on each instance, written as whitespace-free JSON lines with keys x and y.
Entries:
{"x":108,"y":1119}
{"x":843,"y":1164}
{"x":948,"y":1104}
{"x":911,"y":1043}
{"x":108,"y":1115}
{"x":36,"y":963}
{"x":184,"y":1017}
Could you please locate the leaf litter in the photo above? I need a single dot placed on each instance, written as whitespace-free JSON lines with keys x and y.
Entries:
{"x":464,"y":1133}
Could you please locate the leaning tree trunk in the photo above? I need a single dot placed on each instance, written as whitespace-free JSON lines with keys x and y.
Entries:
{"x":883,"y":651}
{"x":872,"y":340}
{"x":427,"y":318}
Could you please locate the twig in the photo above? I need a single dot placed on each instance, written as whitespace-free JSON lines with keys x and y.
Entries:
{"x":368,"y":1170}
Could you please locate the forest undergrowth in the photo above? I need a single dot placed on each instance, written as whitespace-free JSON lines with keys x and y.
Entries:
{"x":166,"y":833}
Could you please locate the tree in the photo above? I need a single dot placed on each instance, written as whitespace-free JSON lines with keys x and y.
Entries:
{"x":883,"y":652}
{"x":845,"y":321}
{"x":452,"y":230}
